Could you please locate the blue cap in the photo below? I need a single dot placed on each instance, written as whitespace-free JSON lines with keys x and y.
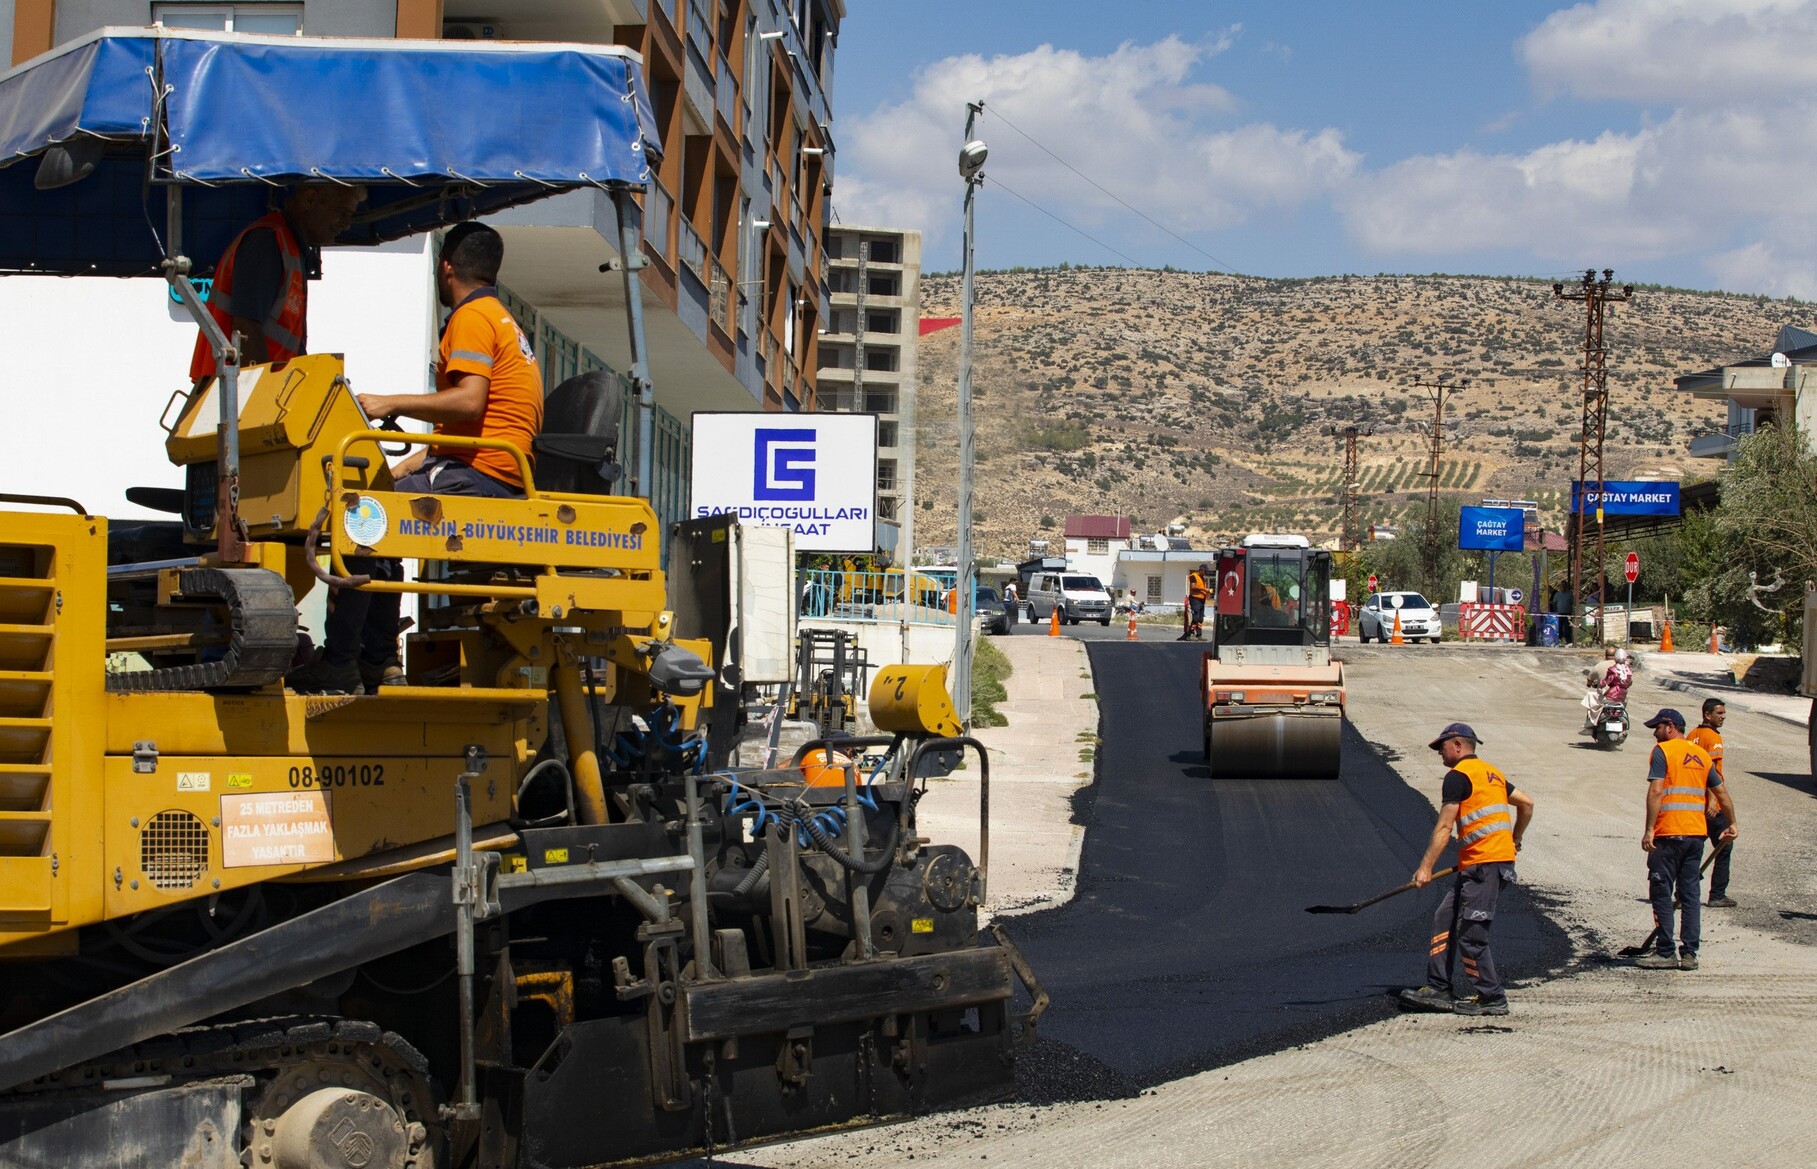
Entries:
{"x":1667,"y":715}
{"x":1454,"y":731}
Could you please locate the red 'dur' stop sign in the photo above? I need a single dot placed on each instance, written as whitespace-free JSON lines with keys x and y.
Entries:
{"x":1631,"y":567}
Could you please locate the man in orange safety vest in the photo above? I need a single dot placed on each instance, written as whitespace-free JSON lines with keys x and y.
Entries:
{"x":1489,"y":818}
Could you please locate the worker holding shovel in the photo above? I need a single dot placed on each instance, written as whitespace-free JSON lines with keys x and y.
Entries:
{"x":1489,"y":818}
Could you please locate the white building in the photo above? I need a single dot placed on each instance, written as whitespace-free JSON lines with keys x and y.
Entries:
{"x":1093,"y":543}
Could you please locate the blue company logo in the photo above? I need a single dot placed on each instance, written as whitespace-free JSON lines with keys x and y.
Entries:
{"x":784,"y":472}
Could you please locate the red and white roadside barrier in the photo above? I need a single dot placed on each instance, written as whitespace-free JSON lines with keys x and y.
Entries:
{"x":1492,"y":622}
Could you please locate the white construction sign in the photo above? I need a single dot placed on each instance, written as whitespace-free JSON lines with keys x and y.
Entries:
{"x":815,"y":474}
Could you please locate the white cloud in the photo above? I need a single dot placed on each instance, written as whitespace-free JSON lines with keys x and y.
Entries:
{"x":1676,"y":51}
{"x":1136,"y":119}
{"x":1720,"y":180}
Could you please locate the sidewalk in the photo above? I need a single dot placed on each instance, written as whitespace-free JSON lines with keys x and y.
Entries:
{"x":1036,"y":766}
{"x":1708,"y":675}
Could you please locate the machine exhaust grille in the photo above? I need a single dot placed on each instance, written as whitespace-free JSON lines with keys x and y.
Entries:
{"x":173,"y":850}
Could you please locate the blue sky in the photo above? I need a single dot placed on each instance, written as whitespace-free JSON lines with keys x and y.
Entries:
{"x":1674,"y":140}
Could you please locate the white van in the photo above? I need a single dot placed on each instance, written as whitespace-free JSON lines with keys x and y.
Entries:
{"x":1077,"y":596}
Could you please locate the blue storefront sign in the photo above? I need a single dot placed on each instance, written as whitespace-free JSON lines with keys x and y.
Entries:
{"x":1491,"y":529}
{"x":1626,"y":498}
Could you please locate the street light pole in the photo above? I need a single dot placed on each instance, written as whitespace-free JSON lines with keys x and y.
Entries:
{"x":971,"y":169}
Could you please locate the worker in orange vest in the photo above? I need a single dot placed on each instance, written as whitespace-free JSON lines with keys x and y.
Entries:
{"x":261,"y":285}
{"x":1709,"y":737}
{"x":1489,"y":817}
{"x":1198,"y":591}
{"x":1681,"y":779}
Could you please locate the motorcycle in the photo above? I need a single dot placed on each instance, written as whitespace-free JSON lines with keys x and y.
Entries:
{"x":1611,"y":726}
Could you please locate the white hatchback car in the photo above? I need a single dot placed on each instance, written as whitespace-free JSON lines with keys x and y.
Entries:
{"x":1419,"y":619}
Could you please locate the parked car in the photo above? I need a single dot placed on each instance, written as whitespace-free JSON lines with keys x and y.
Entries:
{"x":1419,"y":620}
{"x":992,"y":616}
{"x":1076,"y":596}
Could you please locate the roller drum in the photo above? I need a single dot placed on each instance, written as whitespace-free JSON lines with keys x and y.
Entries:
{"x":1274,"y":745}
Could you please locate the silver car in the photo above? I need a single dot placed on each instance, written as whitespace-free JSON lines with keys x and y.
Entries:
{"x":1419,"y":619}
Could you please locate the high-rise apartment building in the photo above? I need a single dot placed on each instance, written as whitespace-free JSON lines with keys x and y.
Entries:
{"x":732,"y":232}
{"x":867,"y":358}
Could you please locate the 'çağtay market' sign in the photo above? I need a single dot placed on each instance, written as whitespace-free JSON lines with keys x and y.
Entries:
{"x":1491,"y":529}
{"x":815,"y":474}
{"x":1626,"y":498}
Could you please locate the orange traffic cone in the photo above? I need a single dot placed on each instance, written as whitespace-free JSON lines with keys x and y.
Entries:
{"x":1132,"y":628}
{"x":1397,"y":639}
{"x":1665,"y":640}
{"x":1714,"y":647}
{"x":1053,"y":622}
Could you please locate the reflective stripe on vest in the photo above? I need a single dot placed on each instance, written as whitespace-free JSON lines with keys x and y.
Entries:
{"x":1686,"y":791}
{"x":1485,"y":819}
{"x":285,"y":326}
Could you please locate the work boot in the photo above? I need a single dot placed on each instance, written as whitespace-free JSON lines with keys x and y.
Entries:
{"x":1657,"y":962}
{"x":1187,"y":636}
{"x":320,"y":676}
{"x":1480,"y":1006}
{"x":1424,"y":998}
{"x":385,"y":673}
{"x":1688,"y":960}
{"x":1722,"y":903}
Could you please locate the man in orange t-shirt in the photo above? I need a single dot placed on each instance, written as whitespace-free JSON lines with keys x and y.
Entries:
{"x":487,"y":386}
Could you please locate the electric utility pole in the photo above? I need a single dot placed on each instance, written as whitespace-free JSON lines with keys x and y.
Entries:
{"x":1440,"y":391}
{"x":971,"y":170}
{"x":1350,"y":535}
{"x":1596,"y":296}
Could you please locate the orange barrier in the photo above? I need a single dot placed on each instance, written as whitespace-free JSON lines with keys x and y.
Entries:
{"x":1053,"y":622}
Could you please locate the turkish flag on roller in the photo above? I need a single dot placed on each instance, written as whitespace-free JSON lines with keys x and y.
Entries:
{"x":1230,"y":584}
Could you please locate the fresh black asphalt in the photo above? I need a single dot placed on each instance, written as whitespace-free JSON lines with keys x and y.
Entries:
{"x":1187,"y":945}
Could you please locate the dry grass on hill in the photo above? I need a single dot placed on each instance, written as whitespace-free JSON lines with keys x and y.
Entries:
{"x":1206,"y":399}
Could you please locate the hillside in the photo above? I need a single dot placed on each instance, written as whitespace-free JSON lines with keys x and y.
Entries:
{"x":1207,"y":400}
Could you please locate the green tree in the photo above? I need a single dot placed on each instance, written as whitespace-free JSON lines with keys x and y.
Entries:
{"x":1765,"y":539}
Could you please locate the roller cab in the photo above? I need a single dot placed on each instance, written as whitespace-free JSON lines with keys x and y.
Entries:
{"x":1273,"y":698}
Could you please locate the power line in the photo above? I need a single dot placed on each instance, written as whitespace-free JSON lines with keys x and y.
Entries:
{"x":1088,"y":235}
{"x":994,"y":111}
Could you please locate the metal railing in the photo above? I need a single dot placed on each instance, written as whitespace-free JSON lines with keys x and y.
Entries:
{"x":720,"y":303}
{"x":659,"y":210}
{"x":875,"y":596}
{"x":725,"y":94}
{"x":692,"y":250}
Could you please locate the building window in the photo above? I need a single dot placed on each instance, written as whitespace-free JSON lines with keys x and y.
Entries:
{"x":1154,"y":589}
{"x":886,"y":507}
{"x":886,"y":434}
{"x":886,"y":474}
{"x":883,"y":251}
{"x":886,"y":284}
{"x":881,"y":323}
{"x":879,"y":401}
{"x":1095,"y":546}
{"x":272,"y":19}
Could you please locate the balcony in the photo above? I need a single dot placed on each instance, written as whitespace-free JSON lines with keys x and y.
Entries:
{"x":1721,"y":444}
{"x":659,"y":210}
{"x":693,"y":252}
{"x":722,"y":307}
{"x":725,"y":95}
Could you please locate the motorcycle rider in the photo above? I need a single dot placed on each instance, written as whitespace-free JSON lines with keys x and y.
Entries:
{"x":1606,"y":685}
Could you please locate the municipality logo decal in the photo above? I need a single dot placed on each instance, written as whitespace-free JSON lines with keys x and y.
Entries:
{"x":365,"y":521}
{"x":784,"y":464}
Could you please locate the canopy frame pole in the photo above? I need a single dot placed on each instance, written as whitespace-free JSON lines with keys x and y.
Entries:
{"x":230,"y":534}
{"x":630,"y":262}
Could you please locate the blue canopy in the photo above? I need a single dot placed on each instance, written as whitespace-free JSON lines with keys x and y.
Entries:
{"x":437,"y":131}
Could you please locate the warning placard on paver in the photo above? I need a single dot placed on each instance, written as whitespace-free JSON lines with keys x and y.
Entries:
{"x":292,"y":828}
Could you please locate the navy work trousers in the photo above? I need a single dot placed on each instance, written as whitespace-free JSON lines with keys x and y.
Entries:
{"x":1458,"y":960}
{"x":1672,"y":870}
